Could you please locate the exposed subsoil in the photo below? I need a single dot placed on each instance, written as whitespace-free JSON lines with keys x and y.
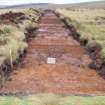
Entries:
{"x":70,"y":74}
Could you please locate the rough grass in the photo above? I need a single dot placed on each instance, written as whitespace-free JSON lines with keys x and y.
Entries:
{"x":11,"y":31}
{"x":51,"y":99}
{"x":2,"y":11}
{"x":14,"y":42}
{"x":13,"y":37}
{"x":90,"y":23}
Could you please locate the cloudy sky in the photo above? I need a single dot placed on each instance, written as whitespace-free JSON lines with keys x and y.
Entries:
{"x":14,"y":2}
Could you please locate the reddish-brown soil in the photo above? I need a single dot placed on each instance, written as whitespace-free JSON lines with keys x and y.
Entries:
{"x":70,"y":74}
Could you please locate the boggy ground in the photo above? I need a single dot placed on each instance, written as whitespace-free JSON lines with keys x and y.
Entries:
{"x":70,"y":74}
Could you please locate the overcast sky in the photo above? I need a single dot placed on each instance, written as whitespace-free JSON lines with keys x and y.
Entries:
{"x":14,"y":2}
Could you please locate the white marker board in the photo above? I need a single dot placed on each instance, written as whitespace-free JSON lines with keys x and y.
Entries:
{"x":51,"y":60}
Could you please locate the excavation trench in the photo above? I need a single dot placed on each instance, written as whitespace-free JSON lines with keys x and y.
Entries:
{"x":69,"y":74}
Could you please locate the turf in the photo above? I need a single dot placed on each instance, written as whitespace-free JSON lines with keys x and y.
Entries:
{"x":51,"y":99}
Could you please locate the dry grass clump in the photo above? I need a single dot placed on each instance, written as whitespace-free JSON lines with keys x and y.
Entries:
{"x":12,"y":42}
{"x":12,"y":31}
{"x":33,"y":14}
{"x":31,"y":20}
{"x":25,"y":25}
{"x":12,"y":49}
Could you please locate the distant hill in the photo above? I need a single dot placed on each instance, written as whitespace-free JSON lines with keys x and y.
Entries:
{"x":31,"y":5}
{"x":96,"y":4}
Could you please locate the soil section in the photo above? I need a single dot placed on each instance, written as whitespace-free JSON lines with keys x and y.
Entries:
{"x":70,"y":74}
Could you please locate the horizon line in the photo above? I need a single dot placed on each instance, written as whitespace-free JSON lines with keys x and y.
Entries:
{"x":48,"y":3}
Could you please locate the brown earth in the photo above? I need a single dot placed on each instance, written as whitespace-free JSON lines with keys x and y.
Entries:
{"x":70,"y":74}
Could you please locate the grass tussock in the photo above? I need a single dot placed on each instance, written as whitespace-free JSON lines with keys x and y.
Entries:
{"x":12,"y":42}
{"x":12,"y":32}
{"x":51,"y":99}
{"x":32,"y":17}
